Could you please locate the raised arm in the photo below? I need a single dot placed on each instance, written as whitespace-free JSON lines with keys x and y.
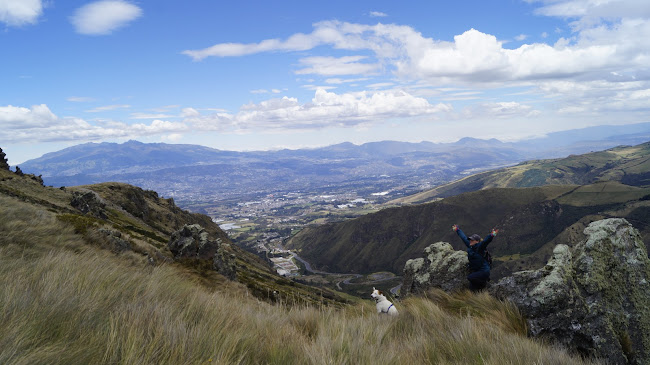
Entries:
{"x":460,"y":234}
{"x":483,"y":244}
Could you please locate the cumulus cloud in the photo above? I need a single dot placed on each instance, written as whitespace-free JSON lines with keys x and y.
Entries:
{"x":20,"y":12}
{"x":330,"y":109}
{"x":473,"y":57}
{"x":40,"y":124}
{"x":38,"y":116}
{"x":103,"y":17}
{"x":326,"y":109}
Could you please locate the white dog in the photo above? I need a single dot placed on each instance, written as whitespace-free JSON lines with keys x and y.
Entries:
{"x":383,"y":305}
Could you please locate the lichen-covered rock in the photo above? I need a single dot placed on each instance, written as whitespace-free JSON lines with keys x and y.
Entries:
{"x":224,"y":263}
{"x":192,"y":241}
{"x":88,"y":202}
{"x":594,"y":298}
{"x":442,"y":267}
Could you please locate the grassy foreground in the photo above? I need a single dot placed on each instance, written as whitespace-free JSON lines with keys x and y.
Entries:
{"x":66,"y":301}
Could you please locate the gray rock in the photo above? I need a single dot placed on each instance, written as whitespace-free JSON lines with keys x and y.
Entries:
{"x":441,"y":267}
{"x":192,"y":241}
{"x":594,"y":298}
{"x":88,"y":202}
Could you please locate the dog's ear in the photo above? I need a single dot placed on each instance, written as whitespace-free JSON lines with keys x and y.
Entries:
{"x":380,"y":292}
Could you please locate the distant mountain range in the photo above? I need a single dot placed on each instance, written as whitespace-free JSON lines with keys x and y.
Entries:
{"x":532,"y":214}
{"x":197,"y":173}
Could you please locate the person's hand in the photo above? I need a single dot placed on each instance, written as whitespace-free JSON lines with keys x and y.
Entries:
{"x":455,"y":227}
{"x":494,"y":231}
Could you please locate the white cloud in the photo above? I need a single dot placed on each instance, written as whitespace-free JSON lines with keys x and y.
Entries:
{"x":39,"y":124}
{"x":174,"y":137}
{"x":108,"y":107}
{"x":20,"y":12}
{"x":500,"y":110}
{"x":378,"y":14}
{"x":521,"y":37}
{"x":189,"y":112}
{"x":331,"y":66}
{"x":103,"y":17}
{"x":380,"y":85}
{"x":473,"y":57}
{"x":326,"y":109}
{"x":264,"y":91}
{"x":336,"y":80}
{"x":150,"y":116}
{"x":38,"y":116}
{"x":330,"y":109}
{"x":594,"y":8}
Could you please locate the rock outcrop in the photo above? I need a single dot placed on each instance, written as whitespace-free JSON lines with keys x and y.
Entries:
{"x":441,"y":267}
{"x":593,"y":298}
{"x":192,"y":242}
{"x":88,"y":202}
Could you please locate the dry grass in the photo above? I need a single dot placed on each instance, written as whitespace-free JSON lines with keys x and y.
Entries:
{"x":63,"y":301}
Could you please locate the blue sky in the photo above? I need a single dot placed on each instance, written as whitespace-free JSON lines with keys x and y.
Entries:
{"x":257,"y":75}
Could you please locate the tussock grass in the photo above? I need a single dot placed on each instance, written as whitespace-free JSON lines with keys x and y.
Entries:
{"x":63,"y":301}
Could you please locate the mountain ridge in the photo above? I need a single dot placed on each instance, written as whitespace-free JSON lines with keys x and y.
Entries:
{"x":531,"y":220}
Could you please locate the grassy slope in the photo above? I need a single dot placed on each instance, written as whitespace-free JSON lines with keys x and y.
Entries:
{"x":629,"y":165}
{"x":146,"y":222}
{"x":66,"y":300}
{"x":585,"y":188}
{"x":529,"y":219}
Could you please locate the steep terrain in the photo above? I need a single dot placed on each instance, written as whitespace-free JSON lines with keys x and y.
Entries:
{"x":531,"y":220}
{"x":629,"y":165}
{"x":113,"y":274}
{"x":593,"y":297}
{"x":127,"y":219}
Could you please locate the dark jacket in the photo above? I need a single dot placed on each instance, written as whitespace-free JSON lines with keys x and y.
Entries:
{"x":475,"y":253}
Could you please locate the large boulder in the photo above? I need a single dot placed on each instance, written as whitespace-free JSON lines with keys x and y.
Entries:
{"x":441,"y":267}
{"x":192,"y":241}
{"x":594,"y":298}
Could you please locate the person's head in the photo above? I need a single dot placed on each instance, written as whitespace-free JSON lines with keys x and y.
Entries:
{"x":474,"y":239}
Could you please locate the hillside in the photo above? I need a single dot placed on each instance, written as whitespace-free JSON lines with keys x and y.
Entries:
{"x":532,"y":220}
{"x":629,"y":165}
{"x":93,"y":282}
{"x":128,"y":220}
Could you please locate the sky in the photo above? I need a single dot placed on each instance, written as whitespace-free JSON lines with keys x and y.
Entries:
{"x":261,"y":75}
